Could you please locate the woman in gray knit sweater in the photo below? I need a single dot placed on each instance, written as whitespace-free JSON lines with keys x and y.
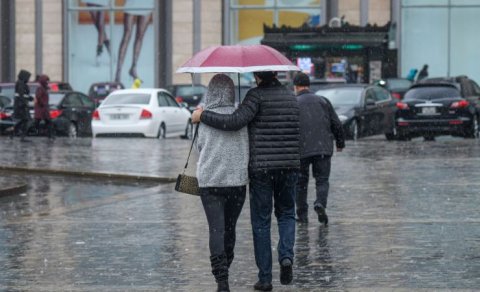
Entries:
{"x":222,"y":172}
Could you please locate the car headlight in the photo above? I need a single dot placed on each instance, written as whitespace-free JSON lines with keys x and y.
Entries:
{"x":343,"y":118}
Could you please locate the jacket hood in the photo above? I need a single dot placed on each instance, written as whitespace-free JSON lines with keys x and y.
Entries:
{"x":24,"y":75}
{"x":220,"y":92}
{"x":43,"y":80}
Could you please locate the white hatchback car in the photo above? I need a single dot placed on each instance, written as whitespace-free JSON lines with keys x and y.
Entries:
{"x":141,"y":112}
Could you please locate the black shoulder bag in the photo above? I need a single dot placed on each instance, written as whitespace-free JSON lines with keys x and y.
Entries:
{"x":185,"y":183}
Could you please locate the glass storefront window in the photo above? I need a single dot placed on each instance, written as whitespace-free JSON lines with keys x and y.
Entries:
{"x":279,"y":3}
{"x":465,"y":2}
{"x":421,"y":45}
{"x":110,"y":41}
{"x":425,"y":2}
{"x":464,"y":52}
{"x":247,"y":17}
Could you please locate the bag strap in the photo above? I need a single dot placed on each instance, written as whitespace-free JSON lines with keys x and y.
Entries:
{"x":191,"y":147}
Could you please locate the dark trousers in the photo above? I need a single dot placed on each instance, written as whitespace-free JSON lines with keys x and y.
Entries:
{"x":222,"y":207}
{"x":48,"y":124}
{"x":321,"y":173}
{"x":22,"y":127}
{"x":272,"y":189}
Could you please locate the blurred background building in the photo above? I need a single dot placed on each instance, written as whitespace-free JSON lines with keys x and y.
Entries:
{"x":86,"y":41}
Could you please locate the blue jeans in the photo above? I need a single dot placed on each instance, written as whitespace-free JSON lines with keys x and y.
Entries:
{"x":272,"y":189}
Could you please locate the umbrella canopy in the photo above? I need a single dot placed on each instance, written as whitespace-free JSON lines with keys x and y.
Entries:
{"x":237,"y":59}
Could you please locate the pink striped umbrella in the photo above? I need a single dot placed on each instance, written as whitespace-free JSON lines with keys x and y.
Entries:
{"x":237,"y":59}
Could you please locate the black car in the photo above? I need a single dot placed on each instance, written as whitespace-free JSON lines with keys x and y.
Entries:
{"x":98,"y":91}
{"x":468,"y":88}
{"x":396,"y":86}
{"x":70,"y":111}
{"x":5,"y":121}
{"x":363,"y":109}
{"x":433,"y":109}
{"x":188,"y":93}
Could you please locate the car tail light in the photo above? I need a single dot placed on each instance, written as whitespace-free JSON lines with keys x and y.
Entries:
{"x":396,"y":95}
{"x":402,"y":106}
{"x":55,"y":114}
{"x":145,"y":115}
{"x":460,"y":104}
{"x":179,"y":99}
{"x":53,"y":87}
{"x":456,"y":122}
{"x":4,"y":116}
{"x":403,"y":123}
{"x":96,"y":115}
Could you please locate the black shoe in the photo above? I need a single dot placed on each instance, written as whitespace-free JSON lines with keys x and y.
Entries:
{"x":286,"y":272}
{"x":263,"y":286}
{"x":222,"y":286}
{"x":303,"y":220}
{"x":322,"y":214}
{"x":25,"y":140}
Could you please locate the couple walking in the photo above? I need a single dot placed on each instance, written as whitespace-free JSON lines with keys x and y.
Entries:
{"x":266,"y":155}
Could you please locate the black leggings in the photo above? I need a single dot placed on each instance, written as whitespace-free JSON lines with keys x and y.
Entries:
{"x":222,"y":207}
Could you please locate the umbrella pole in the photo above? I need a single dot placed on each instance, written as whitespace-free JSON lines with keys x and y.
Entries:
{"x":238,"y":75}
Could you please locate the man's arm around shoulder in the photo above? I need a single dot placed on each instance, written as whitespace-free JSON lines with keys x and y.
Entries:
{"x":235,"y":121}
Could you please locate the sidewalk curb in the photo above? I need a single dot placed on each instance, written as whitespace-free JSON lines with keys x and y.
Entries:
{"x":14,"y":190}
{"x":98,"y":175}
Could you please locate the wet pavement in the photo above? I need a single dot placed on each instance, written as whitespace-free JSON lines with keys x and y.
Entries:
{"x":404,"y":216}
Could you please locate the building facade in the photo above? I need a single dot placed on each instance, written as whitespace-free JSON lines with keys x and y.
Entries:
{"x":62,"y":38}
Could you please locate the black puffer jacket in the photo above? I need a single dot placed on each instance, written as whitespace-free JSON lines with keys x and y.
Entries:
{"x":319,"y":125}
{"x":22,"y":96}
{"x":272,"y":115}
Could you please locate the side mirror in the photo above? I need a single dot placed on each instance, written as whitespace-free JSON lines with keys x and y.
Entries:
{"x":184,"y":105}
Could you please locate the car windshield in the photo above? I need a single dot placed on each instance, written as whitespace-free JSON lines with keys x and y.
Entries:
{"x":55,"y":98}
{"x":429,"y":93}
{"x":189,"y":90}
{"x":5,"y":101}
{"x":342,"y":96}
{"x":127,"y":98}
{"x":399,"y":84}
{"x":8,"y":91}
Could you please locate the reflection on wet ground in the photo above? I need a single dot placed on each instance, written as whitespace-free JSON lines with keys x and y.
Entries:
{"x":402,"y":215}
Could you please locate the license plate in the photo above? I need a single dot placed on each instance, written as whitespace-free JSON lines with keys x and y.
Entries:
{"x":429,"y":110}
{"x":119,"y":116}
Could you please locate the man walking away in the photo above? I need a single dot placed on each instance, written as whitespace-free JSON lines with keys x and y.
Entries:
{"x":271,"y":113}
{"x":20,"y":105}
{"x":319,"y":126}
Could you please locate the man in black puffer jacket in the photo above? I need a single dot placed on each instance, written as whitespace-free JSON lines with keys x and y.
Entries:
{"x":272,"y":115}
{"x":319,"y":126}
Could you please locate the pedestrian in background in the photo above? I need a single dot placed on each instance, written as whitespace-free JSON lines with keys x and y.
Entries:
{"x":271,"y":112}
{"x":42,"y":108}
{"x":222,"y":172}
{"x":423,"y":73}
{"x":21,"y":111}
{"x":319,"y":126}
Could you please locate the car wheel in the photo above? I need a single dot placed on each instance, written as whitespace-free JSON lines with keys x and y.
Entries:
{"x":354,"y":130}
{"x":189,"y":130}
{"x":72,"y":130}
{"x":473,"y":132}
{"x":161,"y":131}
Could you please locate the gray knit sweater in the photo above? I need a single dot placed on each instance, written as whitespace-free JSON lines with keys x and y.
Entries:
{"x":223,"y":159}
